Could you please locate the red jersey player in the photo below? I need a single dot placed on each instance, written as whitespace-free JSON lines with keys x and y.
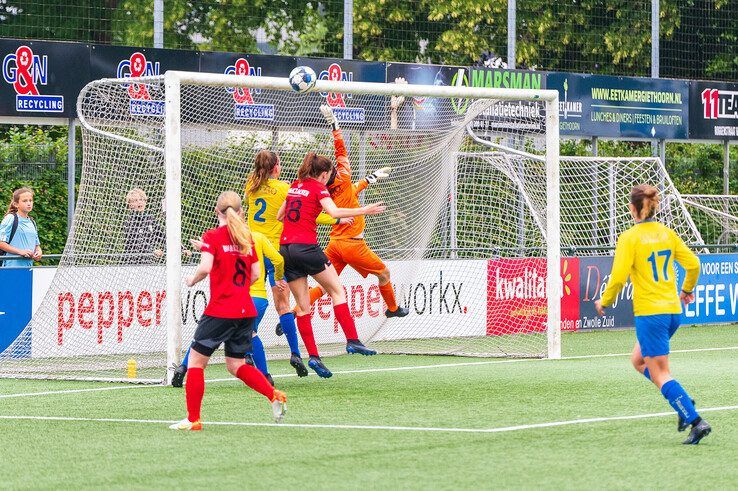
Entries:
{"x":306,"y":198}
{"x":229,"y":258}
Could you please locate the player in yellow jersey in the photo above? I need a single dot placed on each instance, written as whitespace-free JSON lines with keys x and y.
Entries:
{"x":647,"y":252}
{"x":265,"y":194}
{"x":265,"y":251}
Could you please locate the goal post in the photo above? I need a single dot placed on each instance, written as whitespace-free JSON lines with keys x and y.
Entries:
{"x":184,"y":137}
{"x":174,"y":79}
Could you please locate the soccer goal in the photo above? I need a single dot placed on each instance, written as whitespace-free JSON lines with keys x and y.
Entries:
{"x":472,"y":238}
{"x":716,"y":216}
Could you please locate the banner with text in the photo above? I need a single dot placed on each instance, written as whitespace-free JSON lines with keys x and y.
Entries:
{"x":42,"y":79}
{"x":621,"y":107}
{"x":713,"y":110}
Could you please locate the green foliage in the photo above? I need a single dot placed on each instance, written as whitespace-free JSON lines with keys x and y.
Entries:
{"x":36,"y":157}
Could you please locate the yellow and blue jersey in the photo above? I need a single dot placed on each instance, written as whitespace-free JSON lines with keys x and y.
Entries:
{"x":265,"y":250}
{"x":264,"y":205}
{"x":647,"y":252}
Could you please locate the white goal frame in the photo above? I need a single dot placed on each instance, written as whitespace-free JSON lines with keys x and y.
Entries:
{"x":174,"y":80}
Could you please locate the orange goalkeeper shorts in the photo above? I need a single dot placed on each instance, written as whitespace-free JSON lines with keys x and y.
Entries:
{"x":354,"y":253}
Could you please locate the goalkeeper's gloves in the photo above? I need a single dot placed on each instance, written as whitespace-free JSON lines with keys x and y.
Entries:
{"x":378,"y":174}
{"x":329,"y":116}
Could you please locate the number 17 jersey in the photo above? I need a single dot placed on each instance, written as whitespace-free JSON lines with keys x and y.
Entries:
{"x":230,"y":277}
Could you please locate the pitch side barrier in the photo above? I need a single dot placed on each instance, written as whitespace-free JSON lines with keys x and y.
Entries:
{"x":120,"y":321}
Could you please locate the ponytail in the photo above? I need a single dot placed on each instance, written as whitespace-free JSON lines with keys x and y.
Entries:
{"x":314,"y":165}
{"x":645,"y":199}
{"x":229,"y":204}
{"x":264,"y":163}
{"x":13,"y":207}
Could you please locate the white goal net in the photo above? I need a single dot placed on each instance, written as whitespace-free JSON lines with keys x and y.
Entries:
{"x":470,"y":235}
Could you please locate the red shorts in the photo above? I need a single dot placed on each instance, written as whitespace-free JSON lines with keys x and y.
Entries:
{"x":354,"y":253}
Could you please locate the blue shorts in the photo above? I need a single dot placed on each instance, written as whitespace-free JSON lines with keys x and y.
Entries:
{"x":654,"y":331}
{"x":261,"y":305}
{"x":269,"y":268}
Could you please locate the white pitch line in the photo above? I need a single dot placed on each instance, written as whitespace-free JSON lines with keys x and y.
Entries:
{"x":477,"y":363}
{"x":370,"y":370}
{"x":502,"y":429}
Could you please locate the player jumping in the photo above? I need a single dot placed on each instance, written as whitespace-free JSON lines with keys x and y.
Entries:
{"x":347,"y":245}
{"x":306,"y":198}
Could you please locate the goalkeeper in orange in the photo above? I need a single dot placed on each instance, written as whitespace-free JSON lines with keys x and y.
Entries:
{"x":347,"y":246}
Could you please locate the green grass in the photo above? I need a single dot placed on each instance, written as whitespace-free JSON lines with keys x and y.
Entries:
{"x":612,"y":454}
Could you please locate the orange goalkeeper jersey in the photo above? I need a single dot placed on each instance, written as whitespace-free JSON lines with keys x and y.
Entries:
{"x":343,"y":192}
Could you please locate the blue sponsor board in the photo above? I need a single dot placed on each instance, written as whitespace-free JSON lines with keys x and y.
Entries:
{"x":716,"y":293}
{"x":623,"y":107}
{"x":594,"y":272}
{"x":146,"y":108}
{"x":40,"y":103}
{"x":417,"y":113}
{"x":263,"y":112}
{"x":16,"y":285}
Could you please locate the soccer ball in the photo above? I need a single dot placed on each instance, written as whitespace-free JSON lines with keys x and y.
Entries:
{"x":302,"y":78}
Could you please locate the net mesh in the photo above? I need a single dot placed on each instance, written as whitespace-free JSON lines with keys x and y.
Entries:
{"x":464,"y":233}
{"x":715,"y":216}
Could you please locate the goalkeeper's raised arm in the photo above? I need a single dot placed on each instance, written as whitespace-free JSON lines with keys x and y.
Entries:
{"x":347,"y":246}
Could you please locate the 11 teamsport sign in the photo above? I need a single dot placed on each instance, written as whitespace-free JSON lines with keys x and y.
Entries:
{"x":714,"y":110}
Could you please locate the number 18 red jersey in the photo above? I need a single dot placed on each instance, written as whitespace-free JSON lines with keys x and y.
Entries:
{"x":230,"y":278}
{"x":301,"y":210}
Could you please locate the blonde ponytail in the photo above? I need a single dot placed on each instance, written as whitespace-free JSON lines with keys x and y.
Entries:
{"x":229,"y":204}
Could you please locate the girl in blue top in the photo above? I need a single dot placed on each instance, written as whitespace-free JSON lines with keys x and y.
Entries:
{"x":24,"y":241}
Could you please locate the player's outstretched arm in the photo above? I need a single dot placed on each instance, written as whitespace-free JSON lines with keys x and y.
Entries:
{"x":395,"y":103}
{"x":330,"y":207}
{"x":372,"y":178}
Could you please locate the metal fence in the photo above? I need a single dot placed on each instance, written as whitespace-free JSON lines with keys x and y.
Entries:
{"x":696,"y":39}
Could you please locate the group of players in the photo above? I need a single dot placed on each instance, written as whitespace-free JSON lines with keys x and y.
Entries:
{"x":239,"y":259}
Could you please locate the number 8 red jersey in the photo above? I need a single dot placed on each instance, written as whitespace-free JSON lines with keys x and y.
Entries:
{"x":301,"y":210}
{"x":230,"y":278}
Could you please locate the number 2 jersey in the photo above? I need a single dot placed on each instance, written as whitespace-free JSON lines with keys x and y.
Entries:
{"x":647,"y":252}
{"x":301,"y":210}
{"x":230,"y":278}
{"x":264,"y":205}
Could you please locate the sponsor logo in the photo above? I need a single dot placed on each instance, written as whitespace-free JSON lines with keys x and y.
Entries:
{"x":141,"y":103}
{"x":25,"y":71}
{"x":516,"y":295}
{"x":97,"y":312}
{"x":721,"y":105}
{"x":244,"y":106}
{"x":337,"y":100}
{"x":569,"y":109}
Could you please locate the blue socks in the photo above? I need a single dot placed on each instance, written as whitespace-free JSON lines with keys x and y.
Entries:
{"x":290,"y":331}
{"x":258,"y":354}
{"x":647,"y":374}
{"x":679,"y":400}
{"x":186,"y":356}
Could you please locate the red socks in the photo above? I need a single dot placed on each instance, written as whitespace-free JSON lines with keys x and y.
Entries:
{"x":256,"y":380}
{"x":306,"y":332}
{"x":194,"y":390}
{"x":388,"y":294}
{"x":343,"y":316}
